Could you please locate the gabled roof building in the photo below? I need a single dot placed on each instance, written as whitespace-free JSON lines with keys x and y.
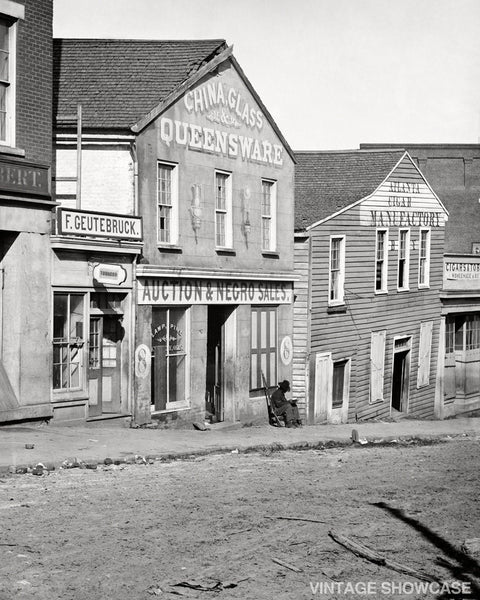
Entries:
{"x":189,"y":312}
{"x":369,"y":234}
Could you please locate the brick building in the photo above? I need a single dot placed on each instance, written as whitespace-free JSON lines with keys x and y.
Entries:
{"x":453,"y":170}
{"x":172,"y":133}
{"x":25,"y":209}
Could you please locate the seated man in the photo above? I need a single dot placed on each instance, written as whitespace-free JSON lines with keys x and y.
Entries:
{"x":285,"y":408}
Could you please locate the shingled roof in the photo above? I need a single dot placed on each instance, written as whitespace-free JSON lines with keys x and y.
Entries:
{"x":326,"y":182}
{"x":117,"y":82}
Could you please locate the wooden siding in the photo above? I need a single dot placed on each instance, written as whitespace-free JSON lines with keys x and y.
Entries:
{"x":347,"y":334}
{"x":301,"y":325}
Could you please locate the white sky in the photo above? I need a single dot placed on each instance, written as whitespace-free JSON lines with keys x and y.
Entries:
{"x":333,"y":73}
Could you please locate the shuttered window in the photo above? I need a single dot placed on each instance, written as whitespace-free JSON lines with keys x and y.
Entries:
{"x":381,"y":264}
{"x":424,"y":259}
{"x":263,"y":352}
{"x":403,"y":259}
{"x":377,"y":365}
{"x":424,"y":354}
{"x":167,"y":203}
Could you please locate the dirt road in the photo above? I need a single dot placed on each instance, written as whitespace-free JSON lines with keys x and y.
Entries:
{"x":133,"y":532}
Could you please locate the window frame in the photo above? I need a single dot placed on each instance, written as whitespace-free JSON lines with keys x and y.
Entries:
{"x":10,"y":18}
{"x":269,"y":350}
{"x":270,"y":218}
{"x":340,"y":300}
{"x":424,"y":284}
{"x":226,"y":211}
{"x":69,"y":342}
{"x":173,"y":207}
{"x":384,"y":275}
{"x":405,"y":265}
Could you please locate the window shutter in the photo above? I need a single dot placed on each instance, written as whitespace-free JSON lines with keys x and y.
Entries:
{"x":424,"y":352}
{"x":377,"y":365}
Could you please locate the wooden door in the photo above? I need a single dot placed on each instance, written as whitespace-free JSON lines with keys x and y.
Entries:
{"x":95,"y":367}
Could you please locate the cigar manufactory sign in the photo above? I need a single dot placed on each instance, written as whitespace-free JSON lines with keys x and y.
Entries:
{"x":94,"y":224}
{"x":205,"y":291}
{"x":235,"y":126}
{"x":402,"y":204}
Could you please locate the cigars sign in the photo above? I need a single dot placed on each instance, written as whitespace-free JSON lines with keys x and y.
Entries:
{"x":232,"y":126}
{"x":207,"y":291}
{"x":403,"y":204}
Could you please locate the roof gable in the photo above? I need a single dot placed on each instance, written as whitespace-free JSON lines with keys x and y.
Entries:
{"x":117,"y":82}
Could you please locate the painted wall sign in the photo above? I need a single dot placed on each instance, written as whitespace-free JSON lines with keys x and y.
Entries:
{"x":195,"y":291}
{"x":402,"y":204}
{"x":143,"y":361}
{"x":461,"y":273}
{"x":109,"y":274}
{"x":25,"y":178}
{"x":286,"y":350}
{"x":95,"y":224}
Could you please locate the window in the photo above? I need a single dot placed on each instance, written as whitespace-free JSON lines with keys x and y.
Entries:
{"x":169,"y":367}
{"x":381,"y":261}
{"x":449,"y":335}
{"x":337,"y":270}
{"x":424,"y":353}
{"x":424,"y":259}
{"x":167,"y":203}
{"x":377,"y":365}
{"x":11,"y":11}
{"x":269,"y":210}
{"x":263,"y":353}
{"x":223,"y":210}
{"x":403,"y":259}
{"x":472,"y":332}
{"x":68,"y":341}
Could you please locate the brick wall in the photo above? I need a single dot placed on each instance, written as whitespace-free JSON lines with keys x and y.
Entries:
{"x":34,"y":81}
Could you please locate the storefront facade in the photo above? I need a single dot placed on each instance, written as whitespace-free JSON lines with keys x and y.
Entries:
{"x":368,"y":309}
{"x":215,"y":283}
{"x":25,"y":210}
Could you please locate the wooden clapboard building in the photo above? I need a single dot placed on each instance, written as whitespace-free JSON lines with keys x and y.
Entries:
{"x":369,"y":237}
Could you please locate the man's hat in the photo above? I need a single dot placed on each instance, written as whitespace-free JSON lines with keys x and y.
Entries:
{"x":284,"y":385}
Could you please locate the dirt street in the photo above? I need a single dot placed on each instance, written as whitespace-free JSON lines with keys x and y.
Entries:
{"x":133,"y":532}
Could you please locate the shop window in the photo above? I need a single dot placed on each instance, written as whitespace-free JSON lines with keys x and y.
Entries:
{"x":269,"y":211}
{"x":472,"y":332}
{"x":68,"y":341}
{"x":223,"y":210}
{"x":449,"y":335}
{"x":170,"y":352}
{"x":337,"y":270}
{"x":10,"y":12}
{"x":263,"y":351}
{"x":167,"y":203}
{"x":377,"y":365}
{"x":424,"y":259}
{"x":381,"y":261}
{"x":403,"y":259}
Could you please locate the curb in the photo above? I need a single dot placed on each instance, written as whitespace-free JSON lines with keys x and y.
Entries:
{"x":42,"y":468}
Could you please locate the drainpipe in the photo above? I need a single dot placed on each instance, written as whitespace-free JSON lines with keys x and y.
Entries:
{"x":133,"y":304}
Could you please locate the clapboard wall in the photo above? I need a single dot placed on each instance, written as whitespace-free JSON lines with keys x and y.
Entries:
{"x":347,"y":334}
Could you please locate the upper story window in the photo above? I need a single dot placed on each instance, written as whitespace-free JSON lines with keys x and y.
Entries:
{"x":403,"y":259}
{"x":337,"y":270}
{"x":10,"y":12}
{"x":424,"y":259}
{"x":223,"y":210}
{"x":381,"y":260}
{"x":167,"y":203}
{"x":269,"y":214}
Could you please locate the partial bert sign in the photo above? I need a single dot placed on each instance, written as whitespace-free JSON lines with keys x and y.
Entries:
{"x":95,"y":224}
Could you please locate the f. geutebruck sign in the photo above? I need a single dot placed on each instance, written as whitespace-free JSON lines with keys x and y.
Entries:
{"x":95,"y":224}
{"x":206,"y":291}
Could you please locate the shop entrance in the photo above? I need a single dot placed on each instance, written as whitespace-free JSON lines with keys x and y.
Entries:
{"x":104,"y":364}
{"x":217,"y":359}
{"x":401,"y":374}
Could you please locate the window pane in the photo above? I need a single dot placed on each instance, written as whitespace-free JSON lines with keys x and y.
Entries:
{"x":76,"y":316}
{"x":4,"y":66}
{"x":60,"y":303}
{"x":176,"y":341}
{"x":220,"y":223}
{"x":176,"y":374}
{"x":4,"y":29}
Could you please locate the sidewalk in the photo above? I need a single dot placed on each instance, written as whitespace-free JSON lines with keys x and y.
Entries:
{"x":94,"y":444}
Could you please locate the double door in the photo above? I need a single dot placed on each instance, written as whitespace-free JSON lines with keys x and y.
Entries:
{"x":104,"y":368}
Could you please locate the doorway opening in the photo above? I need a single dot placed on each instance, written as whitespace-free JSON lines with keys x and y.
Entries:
{"x":216,"y":384}
{"x":401,"y":374}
